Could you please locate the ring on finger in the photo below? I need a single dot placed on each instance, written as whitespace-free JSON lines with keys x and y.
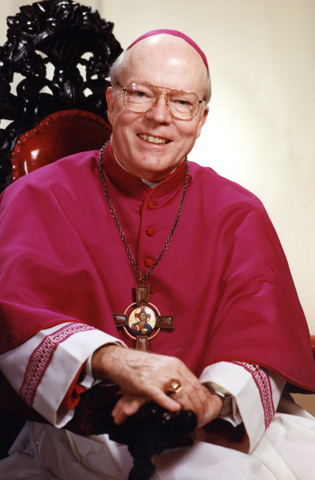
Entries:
{"x":173,"y":386}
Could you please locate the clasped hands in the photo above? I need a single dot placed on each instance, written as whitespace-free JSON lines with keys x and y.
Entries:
{"x":143,"y":376}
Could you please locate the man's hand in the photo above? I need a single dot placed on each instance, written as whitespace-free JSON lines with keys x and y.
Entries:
{"x":143,"y":376}
{"x":129,"y":404}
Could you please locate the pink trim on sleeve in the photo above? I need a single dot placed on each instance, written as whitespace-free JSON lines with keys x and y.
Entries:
{"x":42,"y":356}
{"x":262,"y":381}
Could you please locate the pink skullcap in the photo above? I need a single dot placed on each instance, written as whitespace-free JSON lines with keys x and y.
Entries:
{"x":175,"y":33}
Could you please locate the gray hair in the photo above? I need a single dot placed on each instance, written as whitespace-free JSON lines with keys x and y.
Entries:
{"x":119,"y":65}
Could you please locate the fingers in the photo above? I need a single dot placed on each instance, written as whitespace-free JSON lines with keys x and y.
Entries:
{"x":129,"y":404}
{"x":214,"y":408}
{"x":126,"y":406}
{"x":193,"y":397}
{"x":166,"y":401}
{"x":147,"y":374}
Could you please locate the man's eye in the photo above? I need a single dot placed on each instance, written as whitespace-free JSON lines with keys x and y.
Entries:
{"x":137,"y":93}
{"x":182,"y":102}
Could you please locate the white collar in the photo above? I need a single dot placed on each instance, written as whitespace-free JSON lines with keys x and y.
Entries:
{"x":149,"y":184}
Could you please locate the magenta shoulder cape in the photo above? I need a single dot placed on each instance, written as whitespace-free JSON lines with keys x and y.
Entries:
{"x":224,"y":276}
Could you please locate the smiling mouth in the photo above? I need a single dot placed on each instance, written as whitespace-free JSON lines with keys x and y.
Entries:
{"x":151,"y":139}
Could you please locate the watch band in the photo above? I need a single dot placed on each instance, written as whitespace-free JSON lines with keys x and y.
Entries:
{"x":226,"y":396}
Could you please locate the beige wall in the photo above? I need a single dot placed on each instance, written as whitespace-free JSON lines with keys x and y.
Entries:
{"x":260,"y":130}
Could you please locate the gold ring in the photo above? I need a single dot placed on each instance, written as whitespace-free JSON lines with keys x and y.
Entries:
{"x":173,"y":386}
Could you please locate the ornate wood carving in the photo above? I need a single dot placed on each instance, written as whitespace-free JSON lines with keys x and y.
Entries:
{"x":78,"y":45}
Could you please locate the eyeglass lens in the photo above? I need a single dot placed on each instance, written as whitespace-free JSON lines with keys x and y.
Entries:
{"x":141,"y":97}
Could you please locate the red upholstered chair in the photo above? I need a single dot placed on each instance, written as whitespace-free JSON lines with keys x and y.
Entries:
{"x":58,"y":135}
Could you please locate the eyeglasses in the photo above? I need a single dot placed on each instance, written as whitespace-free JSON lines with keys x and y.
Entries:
{"x":140,"y":97}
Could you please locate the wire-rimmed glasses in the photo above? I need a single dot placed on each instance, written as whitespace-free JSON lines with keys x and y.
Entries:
{"x":140,"y":97}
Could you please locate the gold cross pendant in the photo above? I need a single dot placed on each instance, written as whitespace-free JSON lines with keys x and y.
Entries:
{"x":144,"y":321}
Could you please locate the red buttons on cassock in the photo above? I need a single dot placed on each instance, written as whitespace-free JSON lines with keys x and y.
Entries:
{"x":152,"y":204}
{"x":150,"y":232}
{"x":148,"y":262}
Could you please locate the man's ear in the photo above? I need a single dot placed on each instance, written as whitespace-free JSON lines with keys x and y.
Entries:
{"x":202,"y":120}
{"x":110,"y":98}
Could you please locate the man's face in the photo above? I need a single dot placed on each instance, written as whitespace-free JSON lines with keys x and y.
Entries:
{"x":151,"y":145}
{"x":142,"y":317}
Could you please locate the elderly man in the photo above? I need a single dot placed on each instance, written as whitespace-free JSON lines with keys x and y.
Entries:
{"x":89,"y":240}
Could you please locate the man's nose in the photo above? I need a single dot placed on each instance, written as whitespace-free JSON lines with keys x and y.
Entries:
{"x":159,"y":110}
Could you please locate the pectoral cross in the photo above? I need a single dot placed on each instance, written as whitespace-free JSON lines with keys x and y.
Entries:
{"x":144,"y":321}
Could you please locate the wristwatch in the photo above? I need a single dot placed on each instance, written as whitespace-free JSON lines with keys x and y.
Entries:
{"x":226,"y":396}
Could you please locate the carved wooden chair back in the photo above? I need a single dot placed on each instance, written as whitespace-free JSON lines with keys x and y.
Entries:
{"x":58,"y":54}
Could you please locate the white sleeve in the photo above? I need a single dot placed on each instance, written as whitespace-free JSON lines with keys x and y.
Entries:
{"x":43,"y":368}
{"x":256,"y":393}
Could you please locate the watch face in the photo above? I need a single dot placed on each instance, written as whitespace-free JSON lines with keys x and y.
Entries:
{"x":223,"y":394}
{"x":215,"y":388}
